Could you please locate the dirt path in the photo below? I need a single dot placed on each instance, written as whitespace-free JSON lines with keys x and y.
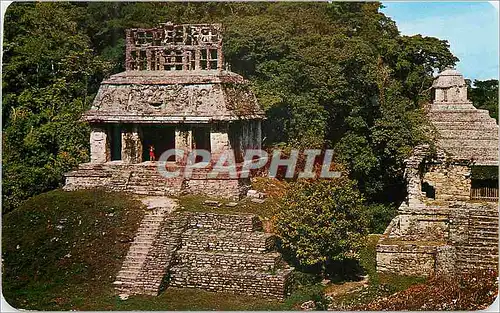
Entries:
{"x":159,"y":202}
{"x":345,"y":288}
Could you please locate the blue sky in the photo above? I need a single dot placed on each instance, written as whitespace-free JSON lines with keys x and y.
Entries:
{"x":471,"y":29}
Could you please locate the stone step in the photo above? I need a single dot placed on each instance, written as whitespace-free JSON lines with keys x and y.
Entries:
{"x":481,"y":232}
{"x":227,"y":241}
{"x":485,"y":219}
{"x":255,"y":283}
{"x":485,"y":257}
{"x":139,"y":247}
{"x":478,"y":262}
{"x":132,"y":266}
{"x":471,"y":125}
{"x":228,"y":261}
{"x":130,"y":278}
{"x":146,"y":232}
{"x":483,"y":225}
{"x":472,"y":133}
{"x":214,"y":221}
{"x":128,"y":272}
{"x":463,"y":146}
{"x":482,"y":242}
{"x":485,"y":237}
{"x":153,"y":218}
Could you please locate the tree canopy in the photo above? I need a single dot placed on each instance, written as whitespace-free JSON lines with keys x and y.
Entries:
{"x":329,"y":75}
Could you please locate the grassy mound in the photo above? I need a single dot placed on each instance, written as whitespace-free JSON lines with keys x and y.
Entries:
{"x":61,"y":249}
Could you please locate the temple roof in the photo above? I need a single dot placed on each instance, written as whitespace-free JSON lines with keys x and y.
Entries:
{"x":465,"y":133}
{"x":174,"y":97}
{"x":449,"y":78}
{"x":174,"y":74}
{"x":174,"y":77}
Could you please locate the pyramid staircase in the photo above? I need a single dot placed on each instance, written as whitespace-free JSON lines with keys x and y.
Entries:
{"x":215,"y":252}
{"x":480,"y":250}
{"x":150,"y":255}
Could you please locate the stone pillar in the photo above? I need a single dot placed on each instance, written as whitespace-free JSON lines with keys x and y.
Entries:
{"x":99,"y":148}
{"x":131,"y":145}
{"x":219,"y":139}
{"x":258,"y":134}
{"x":183,"y":140}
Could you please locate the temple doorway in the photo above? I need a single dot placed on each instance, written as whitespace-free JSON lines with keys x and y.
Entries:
{"x":115,"y":142}
{"x":161,"y":137}
{"x":201,"y":141}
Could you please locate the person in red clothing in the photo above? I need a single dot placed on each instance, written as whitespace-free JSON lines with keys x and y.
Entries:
{"x":152,"y":153}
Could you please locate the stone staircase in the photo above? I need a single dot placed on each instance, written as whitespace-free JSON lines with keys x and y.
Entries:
{"x":467,"y":133}
{"x":149,"y":257}
{"x":216,"y":252}
{"x":480,"y":251}
{"x":148,"y":181}
{"x":217,"y":257}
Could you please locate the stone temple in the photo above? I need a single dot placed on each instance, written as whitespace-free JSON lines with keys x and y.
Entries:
{"x":449,"y":221}
{"x":174,"y":94}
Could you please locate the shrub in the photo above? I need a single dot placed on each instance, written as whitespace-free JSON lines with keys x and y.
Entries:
{"x":379,"y":216}
{"x":321,"y":223}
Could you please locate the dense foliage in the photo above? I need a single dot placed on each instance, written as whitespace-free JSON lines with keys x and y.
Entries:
{"x":322,"y":223}
{"x":484,"y":95}
{"x":329,"y":75}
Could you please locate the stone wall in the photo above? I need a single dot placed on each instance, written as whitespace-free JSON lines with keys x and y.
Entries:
{"x":405,"y":259}
{"x":225,"y":188}
{"x":216,"y":252}
{"x":440,"y":240}
{"x":230,"y":253}
{"x":237,"y":222}
{"x":451,"y":181}
{"x":145,"y":179}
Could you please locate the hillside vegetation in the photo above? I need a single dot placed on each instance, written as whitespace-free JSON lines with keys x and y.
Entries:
{"x":63,"y":249}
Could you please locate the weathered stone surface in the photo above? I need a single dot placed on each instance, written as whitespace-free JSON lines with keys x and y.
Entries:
{"x":454,"y":116}
{"x":172,"y":97}
{"x":99,"y":148}
{"x":145,"y":179}
{"x":438,"y":231}
{"x":255,"y":283}
{"x":203,"y":250}
{"x":228,"y":222}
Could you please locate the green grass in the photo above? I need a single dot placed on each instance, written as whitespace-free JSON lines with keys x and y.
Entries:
{"x":194,"y":203}
{"x":61,"y":248}
{"x":62,"y":251}
{"x":380,"y":285}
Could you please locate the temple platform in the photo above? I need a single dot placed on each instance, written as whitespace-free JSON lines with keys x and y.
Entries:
{"x":145,"y":179}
